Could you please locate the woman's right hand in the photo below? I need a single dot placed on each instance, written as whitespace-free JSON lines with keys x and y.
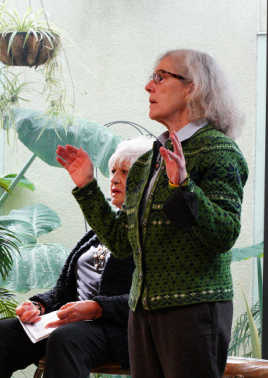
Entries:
{"x":28,"y":312}
{"x":77,"y":163}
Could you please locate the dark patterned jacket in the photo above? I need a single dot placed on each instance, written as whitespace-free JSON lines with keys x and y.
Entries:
{"x":181,"y":250}
{"x":113,"y":295}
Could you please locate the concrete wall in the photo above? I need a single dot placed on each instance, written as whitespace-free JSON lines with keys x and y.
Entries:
{"x":113,"y":47}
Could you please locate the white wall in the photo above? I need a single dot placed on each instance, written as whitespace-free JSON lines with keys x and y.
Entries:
{"x":118,"y":42}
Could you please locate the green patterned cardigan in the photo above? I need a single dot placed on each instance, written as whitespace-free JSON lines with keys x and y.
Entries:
{"x":182,"y":249}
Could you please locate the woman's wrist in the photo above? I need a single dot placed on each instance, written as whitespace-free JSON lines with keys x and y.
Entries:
{"x":181,"y":184}
{"x":40,"y":307}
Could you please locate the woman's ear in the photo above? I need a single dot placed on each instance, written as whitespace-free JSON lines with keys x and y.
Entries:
{"x":190,"y":88}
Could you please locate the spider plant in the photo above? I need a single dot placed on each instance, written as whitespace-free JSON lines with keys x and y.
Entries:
{"x":11,"y":91}
{"x":12,"y":24}
{"x":36,"y":28}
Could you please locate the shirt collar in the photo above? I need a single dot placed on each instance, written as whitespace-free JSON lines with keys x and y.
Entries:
{"x":185,"y":133}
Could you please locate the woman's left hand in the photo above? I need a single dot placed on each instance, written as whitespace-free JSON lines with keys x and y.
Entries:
{"x":75,"y":312}
{"x":175,"y":161}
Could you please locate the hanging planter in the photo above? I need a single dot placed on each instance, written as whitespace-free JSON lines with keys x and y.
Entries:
{"x":27,"y":50}
{"x":30,"y":40}
{"x":27,"y":40}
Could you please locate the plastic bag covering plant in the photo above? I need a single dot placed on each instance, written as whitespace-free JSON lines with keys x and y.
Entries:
{"x":38,"y":265}
{"x":98,"y":141}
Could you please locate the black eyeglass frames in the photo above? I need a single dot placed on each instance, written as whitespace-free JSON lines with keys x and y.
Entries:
{"x":158,"y":76}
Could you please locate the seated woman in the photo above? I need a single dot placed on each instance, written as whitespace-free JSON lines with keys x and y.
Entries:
{"x":93,"y":285}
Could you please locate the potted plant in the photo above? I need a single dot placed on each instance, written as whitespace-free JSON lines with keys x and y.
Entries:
{"x":27,"y":40}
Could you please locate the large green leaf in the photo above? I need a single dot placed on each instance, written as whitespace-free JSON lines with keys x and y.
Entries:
{"x":247,"y":252}
{"x":98,"y":141}
{"x":31,"y":222}
{"x":38,"y":265}
{"x":23,"y":183}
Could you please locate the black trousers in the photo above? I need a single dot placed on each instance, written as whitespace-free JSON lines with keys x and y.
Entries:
{"x":70,"y":351}
{"x":180,"y":342}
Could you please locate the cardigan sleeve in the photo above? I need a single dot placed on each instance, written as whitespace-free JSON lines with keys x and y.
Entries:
{"x":110,"y":226}
{"x":215,"y":195}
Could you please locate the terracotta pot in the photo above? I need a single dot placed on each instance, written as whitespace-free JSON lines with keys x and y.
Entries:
{"x":33,"y":53}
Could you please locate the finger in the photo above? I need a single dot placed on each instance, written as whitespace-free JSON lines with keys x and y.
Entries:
{"x":67,"y":155}
{"x":69,"y":304}
{"x":63,"y":163}
{"x":165,"y":155}
{"x":63,"y":314}
{"x":72,"y":149}
{"x":176,"y":144}
{"x":29,"y":316}
{"x":56,"y":324}
{"x":37,"y":320}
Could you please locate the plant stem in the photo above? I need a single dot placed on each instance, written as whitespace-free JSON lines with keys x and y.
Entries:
{"x":17,"y":179}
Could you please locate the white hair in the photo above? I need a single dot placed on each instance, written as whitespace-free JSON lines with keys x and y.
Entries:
{"x":128,"y":151}
{"x":213,"y":96}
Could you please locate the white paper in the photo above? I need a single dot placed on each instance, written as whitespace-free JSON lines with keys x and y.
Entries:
{"x":37,"y":331}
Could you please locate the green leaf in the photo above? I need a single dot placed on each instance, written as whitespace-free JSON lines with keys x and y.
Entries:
{"x":255,"y":341}
{"x":4,"y":185}
{"x":97,"y":140}
{"x":37,"y":267}
{"x":8,"y":249}
{"x":247,"y":252}
{"x":240,"y":344}
{"x":23,"y":183}
{"x":31,"y":222}
{"x":7,"y":304}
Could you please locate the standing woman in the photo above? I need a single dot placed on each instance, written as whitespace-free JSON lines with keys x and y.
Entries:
{"x":180,"y":219}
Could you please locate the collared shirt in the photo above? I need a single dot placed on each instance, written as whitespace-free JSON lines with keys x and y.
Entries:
{"x":184,"y":133}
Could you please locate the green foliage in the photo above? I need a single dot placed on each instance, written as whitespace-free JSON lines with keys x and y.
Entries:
{"x":240,"y":344}
{"x":11,"y":90}
{"x":8,"y":247}
{"x":7,"y":304}
{"x":38,"y":265}
{"x":98,"y":141}
{"x":30,"y":22}
{"x":245,"y":253}
{"x":255,"y":342}
{"x":246,"y":336}
{"x":23,"y":183}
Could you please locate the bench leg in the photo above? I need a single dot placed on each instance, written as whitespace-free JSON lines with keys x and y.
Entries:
{"x":40,"y":369}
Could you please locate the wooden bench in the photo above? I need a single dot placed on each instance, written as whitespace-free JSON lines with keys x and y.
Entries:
{"x":113,"y":368}
{"x":237,"y":367}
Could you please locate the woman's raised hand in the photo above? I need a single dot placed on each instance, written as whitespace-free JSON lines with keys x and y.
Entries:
{"x":77,"y":162}
{"x":175,"y":161}
{"x":28,"y":312}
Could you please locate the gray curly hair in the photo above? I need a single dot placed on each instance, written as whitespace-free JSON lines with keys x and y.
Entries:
{"x":213,"y":96}
{"x":128,"y":151}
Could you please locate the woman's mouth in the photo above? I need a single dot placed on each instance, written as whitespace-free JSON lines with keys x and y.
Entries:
{"x":115,"y":191}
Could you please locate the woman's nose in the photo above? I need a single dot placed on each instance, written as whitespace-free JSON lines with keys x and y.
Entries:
{"x":115,"y":179}
{"x":150,"y":86}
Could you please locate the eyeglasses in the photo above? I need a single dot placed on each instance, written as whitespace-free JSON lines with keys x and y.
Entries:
{"x":159,"y":75}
